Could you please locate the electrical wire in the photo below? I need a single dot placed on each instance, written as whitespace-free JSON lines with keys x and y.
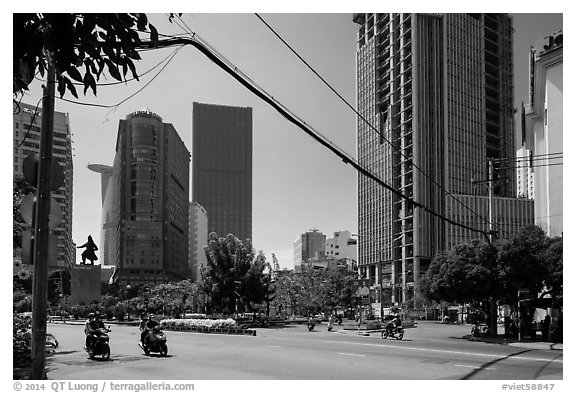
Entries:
{"x":368,"y":123}
{"x":200,"y":44}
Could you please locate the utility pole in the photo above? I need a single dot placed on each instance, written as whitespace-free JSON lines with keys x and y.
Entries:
{"x":490,"y":200}
{"x":42,"y":229}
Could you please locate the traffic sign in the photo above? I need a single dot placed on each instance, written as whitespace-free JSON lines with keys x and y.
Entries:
{"x":28,"y":248}
{"x":30,"y":170}
{"x":28,"y":211}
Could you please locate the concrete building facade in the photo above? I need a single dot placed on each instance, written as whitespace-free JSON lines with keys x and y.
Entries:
{"x":543,"y":131}
{"x":198,"y":239}
{"x":437,"y":93}
{"x":342,"y":246}
{"x":145,"y":206}
{"x":524,"y":173}
{"x":222,"y":167}
{"x":27,"y":121}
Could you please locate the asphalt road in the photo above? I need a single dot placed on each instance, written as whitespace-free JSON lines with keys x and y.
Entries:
{"x":429,"y":352}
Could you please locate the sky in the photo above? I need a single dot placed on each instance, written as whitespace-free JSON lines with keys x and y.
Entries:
{"x":297,"y":184}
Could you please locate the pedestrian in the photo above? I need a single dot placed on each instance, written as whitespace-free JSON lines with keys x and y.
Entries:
{"x":89,"y":252}
{"x":545,"y":326}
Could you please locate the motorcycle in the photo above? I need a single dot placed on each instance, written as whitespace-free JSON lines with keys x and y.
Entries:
{"x":99,"y":345}
{"x":157,"y":344}
{"x":311,"y":325}
{"x":477,"y":331}
{"x":395,"y":332}
{"x":51,"y":341}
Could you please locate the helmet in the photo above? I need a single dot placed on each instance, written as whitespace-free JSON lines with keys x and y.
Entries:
{"x":91,"y":315}
{"x":152,"y":316}
{"x":97,"y":314}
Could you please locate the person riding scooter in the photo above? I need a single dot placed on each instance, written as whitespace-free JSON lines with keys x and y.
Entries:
{"x":142,"y":327}
{"x":393,"y":324}
{"x":150,"y":325}
{"x":94,"y":329}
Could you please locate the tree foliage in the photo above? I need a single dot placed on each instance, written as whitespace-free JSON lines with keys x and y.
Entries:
{"x":476,"y":271}
{"x":84,"y":46}
{"x":233,"y":275}
{"x":314,"y":290}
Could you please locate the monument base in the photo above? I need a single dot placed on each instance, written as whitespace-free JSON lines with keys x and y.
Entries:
{"x":85,"y":284}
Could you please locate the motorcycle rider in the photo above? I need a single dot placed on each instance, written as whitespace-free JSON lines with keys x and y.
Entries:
{"x":150,"y":325}
{"x":393,"y":324}
{"x":142,"y":327}
{"x":330,"y":322}
{"x":94,"y":328}
{"x":87,"y":328}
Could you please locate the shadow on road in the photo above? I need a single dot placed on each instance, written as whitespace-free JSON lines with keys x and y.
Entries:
{"x":545,"y":366}
{"x":486,"y":365}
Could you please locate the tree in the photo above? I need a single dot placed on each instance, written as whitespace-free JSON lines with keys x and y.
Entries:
{"x":466,"y":274}
{"x":83,"y":46}
{"x":482,"y":273}
{"x":288,"y":291}
{"x":233,"y":276}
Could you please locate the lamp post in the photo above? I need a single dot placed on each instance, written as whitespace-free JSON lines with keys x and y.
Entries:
{"x":127,"y":298}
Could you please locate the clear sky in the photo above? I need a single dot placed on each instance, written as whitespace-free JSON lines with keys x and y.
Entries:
{"x":297,"y":184}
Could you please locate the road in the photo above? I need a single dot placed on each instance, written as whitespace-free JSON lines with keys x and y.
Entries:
{"x":429,"y":352}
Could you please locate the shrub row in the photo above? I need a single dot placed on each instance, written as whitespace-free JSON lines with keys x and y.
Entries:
{"x":198,"y":323}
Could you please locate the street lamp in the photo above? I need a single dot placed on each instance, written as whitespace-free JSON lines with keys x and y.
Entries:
{"x":127,"y":298}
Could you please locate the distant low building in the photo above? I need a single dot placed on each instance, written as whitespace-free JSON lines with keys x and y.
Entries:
{"x":311,"y":244}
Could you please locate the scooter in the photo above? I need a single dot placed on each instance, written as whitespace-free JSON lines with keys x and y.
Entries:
{"x":157,"y":344}
{"x":395,"y":332}
{"x":100,"y":344}
{"x":311,"y":325}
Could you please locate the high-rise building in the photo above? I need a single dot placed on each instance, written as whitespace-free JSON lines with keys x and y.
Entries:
{"x":543,"y":131}
{"x":437,"y":92}
{"x":309,"y":245}
{"x":198,"y":239}
{"x":27,"y":121}
{"x":145,"y":202}
{"x":222,"y":167}
{"x":524,"y":173}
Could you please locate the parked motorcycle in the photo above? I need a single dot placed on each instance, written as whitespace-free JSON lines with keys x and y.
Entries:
{"x":478,"y":331}
{"x":396,"y":332}
{"x":157,"y":344}
{"x":99,"y":345}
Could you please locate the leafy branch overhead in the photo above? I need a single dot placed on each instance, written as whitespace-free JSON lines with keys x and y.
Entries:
{"x":84,"y":47}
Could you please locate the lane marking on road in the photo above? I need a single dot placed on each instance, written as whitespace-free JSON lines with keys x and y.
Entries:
{"x":475,"y":367}
{"x":351,"y":354}
{"x":273,"y":346}
{"x":490,"y":355}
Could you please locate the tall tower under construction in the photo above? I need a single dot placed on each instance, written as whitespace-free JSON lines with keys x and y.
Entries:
{"x":435,"y":95}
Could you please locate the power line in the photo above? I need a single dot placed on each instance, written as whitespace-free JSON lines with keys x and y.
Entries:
{"x":368,"y":123}
{"x":232,"y":70}
{"x":533,"y":156}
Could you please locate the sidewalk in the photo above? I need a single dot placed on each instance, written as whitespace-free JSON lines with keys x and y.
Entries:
{"x":460,"y":331}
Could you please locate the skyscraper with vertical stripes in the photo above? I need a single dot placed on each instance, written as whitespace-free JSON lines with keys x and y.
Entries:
{"x":435,"y":95}
{"x":222,"y":167}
